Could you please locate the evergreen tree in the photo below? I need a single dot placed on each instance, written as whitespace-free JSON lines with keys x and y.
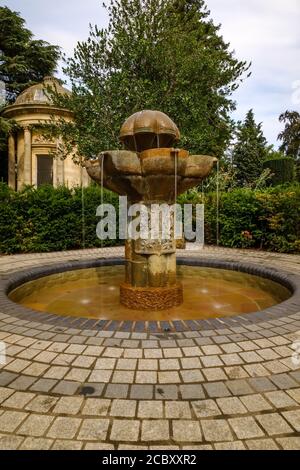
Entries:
{"x":290,"y":136}
{"x":24,"y":61}
{"x":154,"y":54}
{"x":250,"y":150}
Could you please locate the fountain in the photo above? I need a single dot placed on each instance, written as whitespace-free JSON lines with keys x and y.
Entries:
{"x":150,"y":171}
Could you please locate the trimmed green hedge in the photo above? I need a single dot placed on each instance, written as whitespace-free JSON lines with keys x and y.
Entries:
{"x":48,"y":219}
{"x":283,"y":170}
{"x":266,"y":219}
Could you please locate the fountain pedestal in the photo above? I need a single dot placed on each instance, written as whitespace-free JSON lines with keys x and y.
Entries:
{"x":150,"y":172}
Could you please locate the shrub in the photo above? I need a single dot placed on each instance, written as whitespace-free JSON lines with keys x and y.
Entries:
{"x":283,"y":170}
{"x":50,"y":219}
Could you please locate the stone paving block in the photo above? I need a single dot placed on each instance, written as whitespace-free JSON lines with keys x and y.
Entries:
{"x":125,"y":430}
{"x":191,"y":392}
{"x":68,"y":405}
{"x":216,"y":390}
{"x":280,"y":399}
{"x":10,"y":420}
{"x":99,"y":375}
{"x":261,"y":444}
{"x":236,"y":445}
{"x":255,"y":403}
{"x":293,"y":418}
{"x":186,"y":431}
{"x":84,"y":361}
{"x":76,"y":374}
{"x":126,"y":364}
{"x":65,"y":387}
{"x":36,"y":443}
{"x":148,"y":364}
{"x":36,"y":425}
{"x":113,"y":352}
{"x":93,"y":429}
{"x":177,"y":410}
{"x":43,"y":385}
{"x":18,"y":400}
{"x":169,"y":364}
{"x":5,"y":393}
{"x":64,"y":359}
{"x":261,"y":384}
{"x":231,"y":359}
{"x":7,"y":377}
{"x":191,"y":375}
{"x":170,"y":352}
{"x":64,"y":428}
{"x":216,"y":430}
{"x":166,"y":392}
{"x":56,"y":372}
{"x":116,"y":391}
{"x":245,"y":427}
{"x":10,"y":442}
{"x":231,"y":406}
{"x":96,"y":407}
{"x":190,"y":363}
{"x":134,"y":353}
{"x":192,"y":351}
{"x":289,"y":443}
{"x":211,"y":361}
{"x":155,"y":430}
{"x":283,"y":381}
{"x":211,"y":350}
{"x":150,"y":409}
{"x":123,"y":408}
{"x":18,"y":365}
{"x":239,"y":387}
{"x":206,"y":408}
{"x":170,"y":377}
{"x":105,"y":363}
{"x":23,"y":382}
{"x":141,"y":392}
{"x":146,"y":377}
{"x":295,"y":394}
{"x":236,"y":372}
{"x":231,"y":348}
{"x":42,"y":403}
{"x":274,"y":424}
{"x":100,"y":446}
{"x":214,"y":373}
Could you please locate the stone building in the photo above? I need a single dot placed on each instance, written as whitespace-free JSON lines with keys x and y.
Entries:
{"x":30,"y":152}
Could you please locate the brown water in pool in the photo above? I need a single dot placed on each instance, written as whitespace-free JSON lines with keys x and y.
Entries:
{"x":94,"y":293}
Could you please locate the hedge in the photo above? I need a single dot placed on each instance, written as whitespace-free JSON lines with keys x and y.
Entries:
{"x":48,"y":219}
{"x":283,"y":170}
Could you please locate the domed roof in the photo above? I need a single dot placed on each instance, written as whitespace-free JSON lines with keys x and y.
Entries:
{"x":37,"y":94}
{"x":148,"y":129}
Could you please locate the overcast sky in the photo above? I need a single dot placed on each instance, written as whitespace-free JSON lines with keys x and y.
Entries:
{"x":265,"y":32}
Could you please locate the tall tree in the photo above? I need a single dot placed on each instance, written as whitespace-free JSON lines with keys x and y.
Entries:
{"x":24,"y":61}
{"x":290,"y":136}
{"x":154,"y":54}
{"x":250,"y":150}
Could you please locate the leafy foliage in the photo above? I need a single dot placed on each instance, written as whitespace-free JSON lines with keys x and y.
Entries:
{"x":282,"y":169}
{"x":250,"y":150}
{"x":290,"y":136}
{"x":48,"y":219}
{"x":154,"y":54}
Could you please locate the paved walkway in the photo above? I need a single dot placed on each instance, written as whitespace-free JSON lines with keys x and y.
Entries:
{"x":231,"y":388}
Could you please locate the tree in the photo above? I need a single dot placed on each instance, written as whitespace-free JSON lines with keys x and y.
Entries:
{"x":250,"y":150}
{"x":290,"y":136}
{"x":24,"y":61}
{"x":154,"y":54}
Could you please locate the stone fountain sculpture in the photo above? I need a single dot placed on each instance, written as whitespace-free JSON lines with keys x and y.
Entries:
{"x":150,"y":171}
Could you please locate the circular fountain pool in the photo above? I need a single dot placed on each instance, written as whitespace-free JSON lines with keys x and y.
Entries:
{"x":93,"y":292}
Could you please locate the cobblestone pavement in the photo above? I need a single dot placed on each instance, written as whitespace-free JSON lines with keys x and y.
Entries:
{"x":70,"y":388}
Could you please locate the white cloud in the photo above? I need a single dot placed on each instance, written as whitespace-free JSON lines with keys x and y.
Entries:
{"x":265,"y":32}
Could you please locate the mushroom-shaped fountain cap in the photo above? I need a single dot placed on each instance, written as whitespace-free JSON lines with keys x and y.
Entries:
{"x":148,"y":129}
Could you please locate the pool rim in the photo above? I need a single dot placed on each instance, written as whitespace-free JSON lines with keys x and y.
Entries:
{"x":288,"y":307}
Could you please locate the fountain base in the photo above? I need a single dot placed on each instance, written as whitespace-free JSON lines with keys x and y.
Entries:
{"x":151,"y":298}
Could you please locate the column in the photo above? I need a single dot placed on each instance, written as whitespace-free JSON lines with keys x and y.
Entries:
{"x":20,"y":160}
{"x":27,"y":156}
{"x":12,"y":161}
